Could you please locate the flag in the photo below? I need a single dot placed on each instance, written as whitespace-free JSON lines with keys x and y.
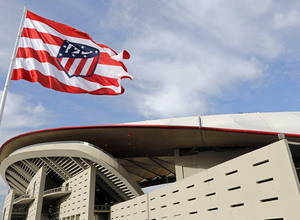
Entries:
{"x":67,"y":60}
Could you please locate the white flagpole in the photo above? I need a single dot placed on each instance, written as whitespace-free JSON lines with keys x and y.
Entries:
{"x":8,"y":79}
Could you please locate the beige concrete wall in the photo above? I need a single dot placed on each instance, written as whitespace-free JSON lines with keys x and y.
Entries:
{"x":189,"y":165}
{"x":8,"y":206}
{"x":36,"y":190}
{"x":80,"y":203}
{"x":259,"y":185}
{"x":133,"y":209}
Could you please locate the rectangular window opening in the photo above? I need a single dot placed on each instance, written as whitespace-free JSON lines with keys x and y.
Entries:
{"x":190,"y":186}
{"x":269,"y":199}
{"x":176,"y":203}
{"x":208,"y":180}
{"x":175,"y":191}
{"x":234,"y":188}
{"x":210,"y":194}
{"x":230,"y":173}
{"x":260,"y":163}
{"x":192,"y":213}
{"x":212,"y":209}
{"x":191,"y":199}
{"x":237,"y":205}
{"x":265,"y":180}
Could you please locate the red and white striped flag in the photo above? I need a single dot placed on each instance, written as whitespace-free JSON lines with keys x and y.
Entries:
{"x":67,"y":60}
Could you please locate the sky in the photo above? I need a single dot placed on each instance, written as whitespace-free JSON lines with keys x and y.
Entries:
{"x":187,"y":58}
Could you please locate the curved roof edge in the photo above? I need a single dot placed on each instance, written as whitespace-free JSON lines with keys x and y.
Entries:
{"x":79,"y":150}
{"x":259,"y":123}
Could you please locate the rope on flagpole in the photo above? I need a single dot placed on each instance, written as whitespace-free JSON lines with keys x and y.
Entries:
{"x":8,"y":78}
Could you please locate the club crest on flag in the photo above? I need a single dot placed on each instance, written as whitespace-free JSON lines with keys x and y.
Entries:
{"x":78,"y":59}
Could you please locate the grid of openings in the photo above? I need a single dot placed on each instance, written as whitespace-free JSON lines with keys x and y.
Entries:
{"x":173,"y":202}
{"x":234,"y":188}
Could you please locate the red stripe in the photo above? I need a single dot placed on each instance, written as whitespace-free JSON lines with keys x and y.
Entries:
{"x":80,"y":67}
{"x":45,"y":37}
{"x":53,"y":83}
{"x":40,"y":55}
{"x":62,"y":28}
{"x":104,"y":46}
{"x":103,"y":80}
{"x":107,"y":60}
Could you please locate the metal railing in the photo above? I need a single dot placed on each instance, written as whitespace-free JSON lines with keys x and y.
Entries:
{"x":25,"y":196}
{"x":20,"y":210}
{"x":58,"y":189}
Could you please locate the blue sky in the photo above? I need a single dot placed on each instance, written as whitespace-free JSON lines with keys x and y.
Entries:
{"x":187,"y":58}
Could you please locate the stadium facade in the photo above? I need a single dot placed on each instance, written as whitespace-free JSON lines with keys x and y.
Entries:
{"x":238,"y":166}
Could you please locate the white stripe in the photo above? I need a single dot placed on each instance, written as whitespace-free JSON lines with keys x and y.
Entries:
{"x":50,"y":70}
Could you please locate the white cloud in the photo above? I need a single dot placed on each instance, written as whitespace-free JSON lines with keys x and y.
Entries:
{"x":21,"y":115}
{"x":286,"y":20}
{"x":202,"y":50}
{"x":239,"y":26}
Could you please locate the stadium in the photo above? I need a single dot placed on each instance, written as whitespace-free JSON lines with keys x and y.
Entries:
{"x":235,"y":166}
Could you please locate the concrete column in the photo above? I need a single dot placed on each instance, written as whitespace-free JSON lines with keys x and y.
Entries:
{"x":36,"y":189}
{"x":8,"y":206}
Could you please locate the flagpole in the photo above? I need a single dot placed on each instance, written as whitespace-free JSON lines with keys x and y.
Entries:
{"x":8,"y":78}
